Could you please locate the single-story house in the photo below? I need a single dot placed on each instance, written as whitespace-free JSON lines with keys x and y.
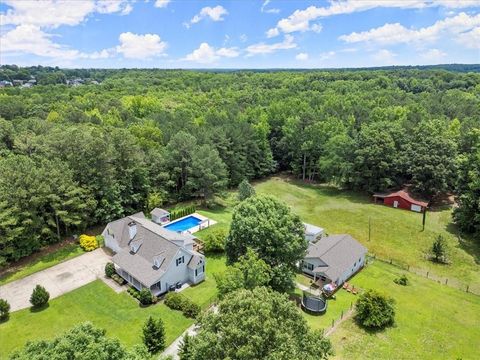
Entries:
{"x":334,"y":259}
{"x":148,"y":256}
{"x":160,"y":216}
{"x":401,"y":199}
{"x":313,"y":233}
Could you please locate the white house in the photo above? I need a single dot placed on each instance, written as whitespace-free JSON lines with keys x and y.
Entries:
{"x":334,"y":259}
{"x":160,"y":216}
{"x":149,"y":256}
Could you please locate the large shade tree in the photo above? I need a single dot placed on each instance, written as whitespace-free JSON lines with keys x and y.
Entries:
{"x":256,"y":324}
{"x":270,"y":228}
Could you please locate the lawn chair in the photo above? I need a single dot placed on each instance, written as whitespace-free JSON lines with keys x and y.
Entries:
{"x":349,"y":289}
{"x":354,"y":291}
{"x":345,"y":285}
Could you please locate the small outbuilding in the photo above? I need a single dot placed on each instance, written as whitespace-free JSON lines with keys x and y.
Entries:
{"x":400,"y":199}
{"x":160,"y":216}
{"x":313,"y":233}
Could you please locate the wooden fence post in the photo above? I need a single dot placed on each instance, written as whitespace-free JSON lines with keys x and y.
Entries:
{"x":446,"y":281}
{"x":467,"y":288}
{"x":333,"y":323}
{"x":341,"y":316}
{"x":427,"y":274}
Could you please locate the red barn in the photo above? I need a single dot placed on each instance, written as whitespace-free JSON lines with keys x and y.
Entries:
{"x":401,"y":199}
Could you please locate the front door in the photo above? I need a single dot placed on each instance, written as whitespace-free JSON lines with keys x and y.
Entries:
{"x":395,"y":204}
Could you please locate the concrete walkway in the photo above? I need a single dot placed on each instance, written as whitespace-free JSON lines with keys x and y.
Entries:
{"x":172,"y":350}
{"x":58,"y":279}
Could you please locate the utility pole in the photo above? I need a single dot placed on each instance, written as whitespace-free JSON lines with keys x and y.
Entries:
{"x":369,"y":227}
{"x":424,"y":218}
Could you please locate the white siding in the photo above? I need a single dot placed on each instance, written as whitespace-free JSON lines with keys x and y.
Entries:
{"x":110,"y":242}
{"x":353,"y":269}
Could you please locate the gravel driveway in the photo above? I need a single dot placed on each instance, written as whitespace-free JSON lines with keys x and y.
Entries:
{"x":58,"y":279}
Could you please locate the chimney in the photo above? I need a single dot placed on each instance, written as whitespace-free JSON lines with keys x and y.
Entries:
{"x":132,"y":229}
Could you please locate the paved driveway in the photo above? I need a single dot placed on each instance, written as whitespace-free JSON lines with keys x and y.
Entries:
{"x":58,"y":279}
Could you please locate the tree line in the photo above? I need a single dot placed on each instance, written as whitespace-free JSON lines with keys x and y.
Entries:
{"x":71,"y":157}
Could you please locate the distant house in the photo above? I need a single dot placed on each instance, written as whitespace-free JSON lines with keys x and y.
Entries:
{"x":5,"y":83}
{"x":334,"y":259}
{"x":150,"y":256}
{"x":400,"y":199}
{"x":312,"y":232}
{"x":160,"y":216}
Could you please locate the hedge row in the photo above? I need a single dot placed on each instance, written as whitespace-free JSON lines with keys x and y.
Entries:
{"x":177,"y":301}
{"x":178,"y":213}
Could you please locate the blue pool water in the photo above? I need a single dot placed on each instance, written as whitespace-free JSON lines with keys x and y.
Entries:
{"x":184,"y":224}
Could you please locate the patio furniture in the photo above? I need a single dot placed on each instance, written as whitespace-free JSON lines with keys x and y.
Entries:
{"x":345,"y":285}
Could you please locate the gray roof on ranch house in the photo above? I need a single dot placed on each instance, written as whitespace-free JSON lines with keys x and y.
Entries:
{"x":339,"y":252}
{"x":153,"y":241}
{"x":159,"y":212}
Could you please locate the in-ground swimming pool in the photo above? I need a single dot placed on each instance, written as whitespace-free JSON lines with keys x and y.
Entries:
{"x":183,"y":224}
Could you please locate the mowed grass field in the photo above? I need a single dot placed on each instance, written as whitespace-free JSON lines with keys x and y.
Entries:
{"x":395,"y":234}
{"x":433,"y":321}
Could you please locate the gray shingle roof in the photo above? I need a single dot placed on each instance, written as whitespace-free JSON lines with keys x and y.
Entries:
{"x":159,"y":212}
{"x":339,"y":252}
{"x":312,"y":229}
{"x":153,"y":241}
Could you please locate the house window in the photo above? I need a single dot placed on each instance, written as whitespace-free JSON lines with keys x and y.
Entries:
{"x":308,"y":266}
{"x":180,"y":260}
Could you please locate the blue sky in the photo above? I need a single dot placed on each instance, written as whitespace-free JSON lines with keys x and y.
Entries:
{"x":238,"y":34}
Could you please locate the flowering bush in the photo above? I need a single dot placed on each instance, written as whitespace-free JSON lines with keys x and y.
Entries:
{"x":88,"y":243}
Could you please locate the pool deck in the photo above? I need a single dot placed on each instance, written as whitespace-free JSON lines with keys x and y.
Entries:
{"x":196,"y":228}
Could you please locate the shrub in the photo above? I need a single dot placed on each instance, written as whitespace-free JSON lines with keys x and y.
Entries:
{"x":402,"y":280}
{"x":110,"y":269}
{"x":39,"y":297}
{"x":100,"y":240}
{"x":4,"y":309}
{"x":214,"y":241}
{"x":118,"y":279}
{"x":134,"y":292}
{"x":175,"y":301}
{"x":154,"y":335}
{"x":190,"y":309}
{"x":374,"y":310}
{"x":438,"y":251}
{"x":145,"y":296}
{"x":88,"y":243}
{"x":245,"y":190}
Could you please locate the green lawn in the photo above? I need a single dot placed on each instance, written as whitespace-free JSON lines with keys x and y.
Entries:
{"x":67,"y":252}
{"x":119,"y":314}
{"x":395,"y":233}
{"x":433,"y":321}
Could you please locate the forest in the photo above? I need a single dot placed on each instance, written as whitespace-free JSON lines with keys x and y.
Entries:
{"x":77,"y":156}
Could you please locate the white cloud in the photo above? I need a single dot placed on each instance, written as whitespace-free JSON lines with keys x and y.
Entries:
{"x":327,"y":55}
{"x":272,"y":32}
{"x":207,"y":54}
{"x":385,"y":57}
{"x":243,"y":38}
{"x":215,"y":14}
{"x":135,"y":46}
{"x":302,"y":56}
{"x":53,"y":13}
{"x":397,"y":33}
{"x":262,"y":48}
{"x":300,"y":20}
{"x":263,"y":9}
{"x":31,"y":39}
{"x":161,"y":3}
{"x":433,"y":55}
{"x":470,"y":39}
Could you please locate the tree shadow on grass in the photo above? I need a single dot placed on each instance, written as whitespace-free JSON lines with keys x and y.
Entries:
{"x":5,"y":319}
{"x":372,"y":330}
{"x":466,"y":242}
{"x":36,"y":309}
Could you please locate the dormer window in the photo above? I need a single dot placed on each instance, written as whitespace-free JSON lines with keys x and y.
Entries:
{"x":134,"y":247}
{"x":158,"y":261}
{"x":132,"y":229}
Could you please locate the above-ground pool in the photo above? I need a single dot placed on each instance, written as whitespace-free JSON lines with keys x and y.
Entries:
{"x":183,"y":224}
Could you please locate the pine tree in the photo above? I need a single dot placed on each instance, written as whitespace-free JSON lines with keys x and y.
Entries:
{"x":154,"y":335}
{"x":39,"y":297}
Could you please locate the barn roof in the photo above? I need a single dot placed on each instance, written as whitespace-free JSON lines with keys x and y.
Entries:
{"x":404,"y":195}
